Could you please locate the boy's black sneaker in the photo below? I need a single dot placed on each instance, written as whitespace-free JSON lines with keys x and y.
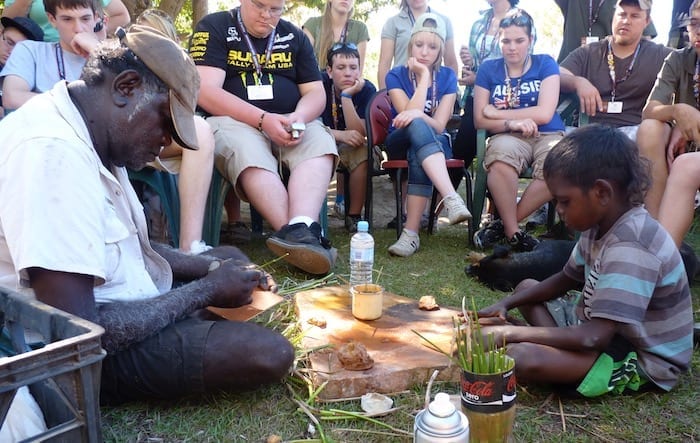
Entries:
{"x":489,"y":235}
{"x":392,"y":223}
{"x":304,"y":247}
{"x":523,"y":242}
{"x":351,"y":223}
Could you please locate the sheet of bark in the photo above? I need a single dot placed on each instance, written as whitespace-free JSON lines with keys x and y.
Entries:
{"x":401,"y":360}
{"x":262,"y":301}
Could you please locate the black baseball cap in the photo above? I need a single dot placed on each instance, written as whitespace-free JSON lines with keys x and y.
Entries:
{"x":26,"y":26}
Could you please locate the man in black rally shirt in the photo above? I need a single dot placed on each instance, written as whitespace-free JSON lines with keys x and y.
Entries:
{"x":262,"y":91}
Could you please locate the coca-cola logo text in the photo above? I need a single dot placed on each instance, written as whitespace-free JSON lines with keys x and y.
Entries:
{"x":477,"y":389}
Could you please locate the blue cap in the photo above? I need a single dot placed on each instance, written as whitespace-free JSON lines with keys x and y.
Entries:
{"x":362,"y":226}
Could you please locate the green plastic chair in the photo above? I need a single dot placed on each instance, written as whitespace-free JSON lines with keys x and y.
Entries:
{"x":165,"y":185}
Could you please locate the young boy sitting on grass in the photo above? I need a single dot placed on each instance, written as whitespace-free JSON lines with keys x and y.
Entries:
{"x":632,"y":322}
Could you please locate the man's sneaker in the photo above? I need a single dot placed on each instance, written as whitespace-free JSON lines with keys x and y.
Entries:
{"x":489,"y":235}
{"x":456,"y":209}
{"x":523,"y":242}
{"x":304,"y":247}
{"x":351,"y":223}
{"x":406,"y":245}
{"x":538,"y":218}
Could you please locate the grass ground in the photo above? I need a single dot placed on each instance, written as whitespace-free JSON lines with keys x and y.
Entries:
{"x":437,"y":269}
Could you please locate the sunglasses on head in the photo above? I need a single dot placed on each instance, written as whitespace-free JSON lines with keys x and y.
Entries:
{"x":517,"y":20}
{"x":339,"y":46}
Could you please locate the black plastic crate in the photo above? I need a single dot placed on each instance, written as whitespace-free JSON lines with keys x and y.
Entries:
{"x":63,"y":375}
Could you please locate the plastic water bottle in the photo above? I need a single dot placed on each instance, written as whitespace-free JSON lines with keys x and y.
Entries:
{"x":361,"y":255}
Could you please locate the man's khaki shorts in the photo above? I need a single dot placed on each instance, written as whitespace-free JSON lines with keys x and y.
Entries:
{"x":521,"y":152}
{"x":352,"y":157}
{"x":240,"y":146}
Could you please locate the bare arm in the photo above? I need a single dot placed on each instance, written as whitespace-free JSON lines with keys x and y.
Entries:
{"x":20,"y":8}
{"x":118,"y":16}
{"x":588,"y":95}
{"x":548,"y":289}
{"x":15,"y":92}
{"x":541,"y":114}
{"x":450,"y":56}
{"x":386,"y":55}
{"x":311,"y":38}
{"x":481,"y":100}
{"x":411,"y":108}
{"x":352,"y":119}
{"x":592,"y":335}
{"x":686,"y":117}
{"x":311,"y":103}
{"x":362,"y":50}
{"x":217,"y":101}
{"x":130,"y":322}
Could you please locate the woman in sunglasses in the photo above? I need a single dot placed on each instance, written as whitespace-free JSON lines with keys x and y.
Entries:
{"x":483,"y":45}
{"x":515,"y":100}
{"x":336,"y":26}
{"x":422,"y":98}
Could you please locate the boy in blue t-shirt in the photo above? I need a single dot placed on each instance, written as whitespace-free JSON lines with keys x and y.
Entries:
{"x":632,"y":322}
{"x":347,"y":96}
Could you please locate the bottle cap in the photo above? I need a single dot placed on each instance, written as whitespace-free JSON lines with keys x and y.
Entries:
{"x":362,"y":226}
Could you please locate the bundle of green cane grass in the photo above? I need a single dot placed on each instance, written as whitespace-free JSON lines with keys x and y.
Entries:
{"x":471,"y":351}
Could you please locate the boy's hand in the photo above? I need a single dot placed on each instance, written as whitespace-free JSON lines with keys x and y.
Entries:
{"x":496,"y":310}
{"x":352,"y":138}
{"x":356,"y":87}
{"x":419,"y":69}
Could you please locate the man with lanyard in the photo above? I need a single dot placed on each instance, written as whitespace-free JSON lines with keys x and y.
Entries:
{"x":613,"y":77}
{"x":671,"y":123}
{"x":262,"y":90}
{"x":588,"y":21}
{"x":347,"y":96}
{"x":35,"y":67}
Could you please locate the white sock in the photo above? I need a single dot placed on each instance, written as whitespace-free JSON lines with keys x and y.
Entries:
{"x":301,"y":219}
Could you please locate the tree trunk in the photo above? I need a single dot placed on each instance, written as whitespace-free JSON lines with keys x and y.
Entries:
{"x":171,"y":7}
{"x":200,"y":8}
{"x":136,"y":7}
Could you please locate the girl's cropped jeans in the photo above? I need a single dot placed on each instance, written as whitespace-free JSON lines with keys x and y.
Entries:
{"x":415,"y":143}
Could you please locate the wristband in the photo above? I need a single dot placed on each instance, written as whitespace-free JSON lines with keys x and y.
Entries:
{"x":262,"y":116}
{"x":344,"y":94}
